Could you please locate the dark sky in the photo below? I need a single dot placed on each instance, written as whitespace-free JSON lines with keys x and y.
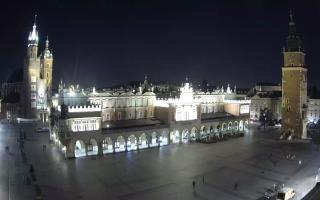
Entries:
{"x":108,"y":42}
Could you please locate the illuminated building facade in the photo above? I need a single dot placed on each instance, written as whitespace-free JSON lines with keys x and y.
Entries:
{"x":266,"y":96}
{"x":108,"y":121}
{"x":37,"y":78}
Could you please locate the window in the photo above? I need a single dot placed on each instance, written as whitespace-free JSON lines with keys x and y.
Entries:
{"x":288,"y":108}
{"x":33,"y":79}
{"x":47,"y":75}
{"x":33,"y":87}
{"x":33,"y":104}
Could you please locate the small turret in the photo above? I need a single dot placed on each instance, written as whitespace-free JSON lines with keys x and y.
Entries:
{"x":47,"y":53}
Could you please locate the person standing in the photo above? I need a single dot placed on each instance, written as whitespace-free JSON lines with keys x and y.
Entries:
{"x":193,"y":184}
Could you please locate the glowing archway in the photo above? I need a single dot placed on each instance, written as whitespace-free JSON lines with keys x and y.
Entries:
{"x":236,"y":125}
{"x":224,"y":127}
{"x":92,"y":147}
{"x":175,"y":137}
{"x":79,"y":149}
{"x":154,"y":141}
{"x":193,"y":134}
{"x":241,"y":125}
{"x":163,"y":139}
{"x":229,"y":126}
{"x":132,"y":143}
{"x":107,"y":146}
{"x":203,"y":132}
{"x":120,"y":144}
{"x":143,"y":141}
{"x":185,"y":136}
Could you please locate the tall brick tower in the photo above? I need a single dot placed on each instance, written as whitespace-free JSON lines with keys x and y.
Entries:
{"x":46,"y":70}
{"x":294,"y":85}
{"x":32,"y":73}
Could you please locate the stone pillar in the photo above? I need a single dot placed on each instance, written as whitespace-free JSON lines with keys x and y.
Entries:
{"x":100,"y":151}
{"x":69,"y":151}
{"x":86,"y":147}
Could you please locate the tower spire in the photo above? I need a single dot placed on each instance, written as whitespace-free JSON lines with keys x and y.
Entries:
{"x":293,"y":42}
{"x":47,"y":53}
{"x":47,"y":42}
{"x":35,"y":20}
{"x":33,"y":35}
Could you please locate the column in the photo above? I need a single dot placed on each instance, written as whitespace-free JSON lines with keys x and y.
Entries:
{"x":100,"y":151}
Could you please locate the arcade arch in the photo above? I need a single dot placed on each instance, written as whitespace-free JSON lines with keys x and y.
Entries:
{"x":143,"y":141}
{"x":120,"y":144}
{"x":79,"y":149}
{"x":107,"y":146}
{"x":153,"y":142}
{"x":132,"y":143}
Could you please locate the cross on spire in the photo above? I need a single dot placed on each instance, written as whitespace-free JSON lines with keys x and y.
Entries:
{"x":35,"y":19}
{"x":291,"y":16}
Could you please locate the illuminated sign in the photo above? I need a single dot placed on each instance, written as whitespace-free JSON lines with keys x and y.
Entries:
{"x":244,"y":109}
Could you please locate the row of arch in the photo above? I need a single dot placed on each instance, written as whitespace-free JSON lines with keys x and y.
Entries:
{"x":154,"y":139}
{"x":120,"y":144}
{"x":225,"y":127}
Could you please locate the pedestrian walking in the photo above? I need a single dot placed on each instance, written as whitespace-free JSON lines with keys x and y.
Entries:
{"x":235,"y":186}
{"x":31,"y":169}
{"x":203,"y":179}
{"x":193,"y":184}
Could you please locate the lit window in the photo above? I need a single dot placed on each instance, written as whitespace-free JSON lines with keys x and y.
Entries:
{"x":33,"y":79}
{"x":33,"y":87}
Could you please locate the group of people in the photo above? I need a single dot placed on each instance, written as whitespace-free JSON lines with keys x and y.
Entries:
{"x":235,"y":187}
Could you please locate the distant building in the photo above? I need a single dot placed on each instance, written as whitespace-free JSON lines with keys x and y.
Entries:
{"x":12,"y":101}
{"x":313,"y":111}
{"x":266,"y":96}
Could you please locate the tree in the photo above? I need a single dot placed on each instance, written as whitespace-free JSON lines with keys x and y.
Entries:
{"x":266,"y":118}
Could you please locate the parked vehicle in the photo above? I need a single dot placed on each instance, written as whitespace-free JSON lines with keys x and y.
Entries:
{"x":286,"y":193}
{"x":42,"y":130}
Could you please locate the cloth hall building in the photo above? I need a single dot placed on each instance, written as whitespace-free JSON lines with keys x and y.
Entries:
{"x":106,"y":121}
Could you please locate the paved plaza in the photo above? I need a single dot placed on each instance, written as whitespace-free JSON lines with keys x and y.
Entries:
{"x":242,"y":168}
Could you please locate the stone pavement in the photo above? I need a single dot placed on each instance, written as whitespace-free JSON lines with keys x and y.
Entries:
{"x":254,"y":162}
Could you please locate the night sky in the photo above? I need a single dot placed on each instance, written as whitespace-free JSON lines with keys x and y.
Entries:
{"x":103,"y":43}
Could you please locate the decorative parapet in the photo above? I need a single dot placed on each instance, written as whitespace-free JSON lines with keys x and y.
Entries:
{"x":79,"y":109}
{"x":237,"y":101}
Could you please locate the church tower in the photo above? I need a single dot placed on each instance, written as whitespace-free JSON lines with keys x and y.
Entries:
{"x":294,"y":85}
{"x":46,"y":70}
{"x":31,"y":73}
